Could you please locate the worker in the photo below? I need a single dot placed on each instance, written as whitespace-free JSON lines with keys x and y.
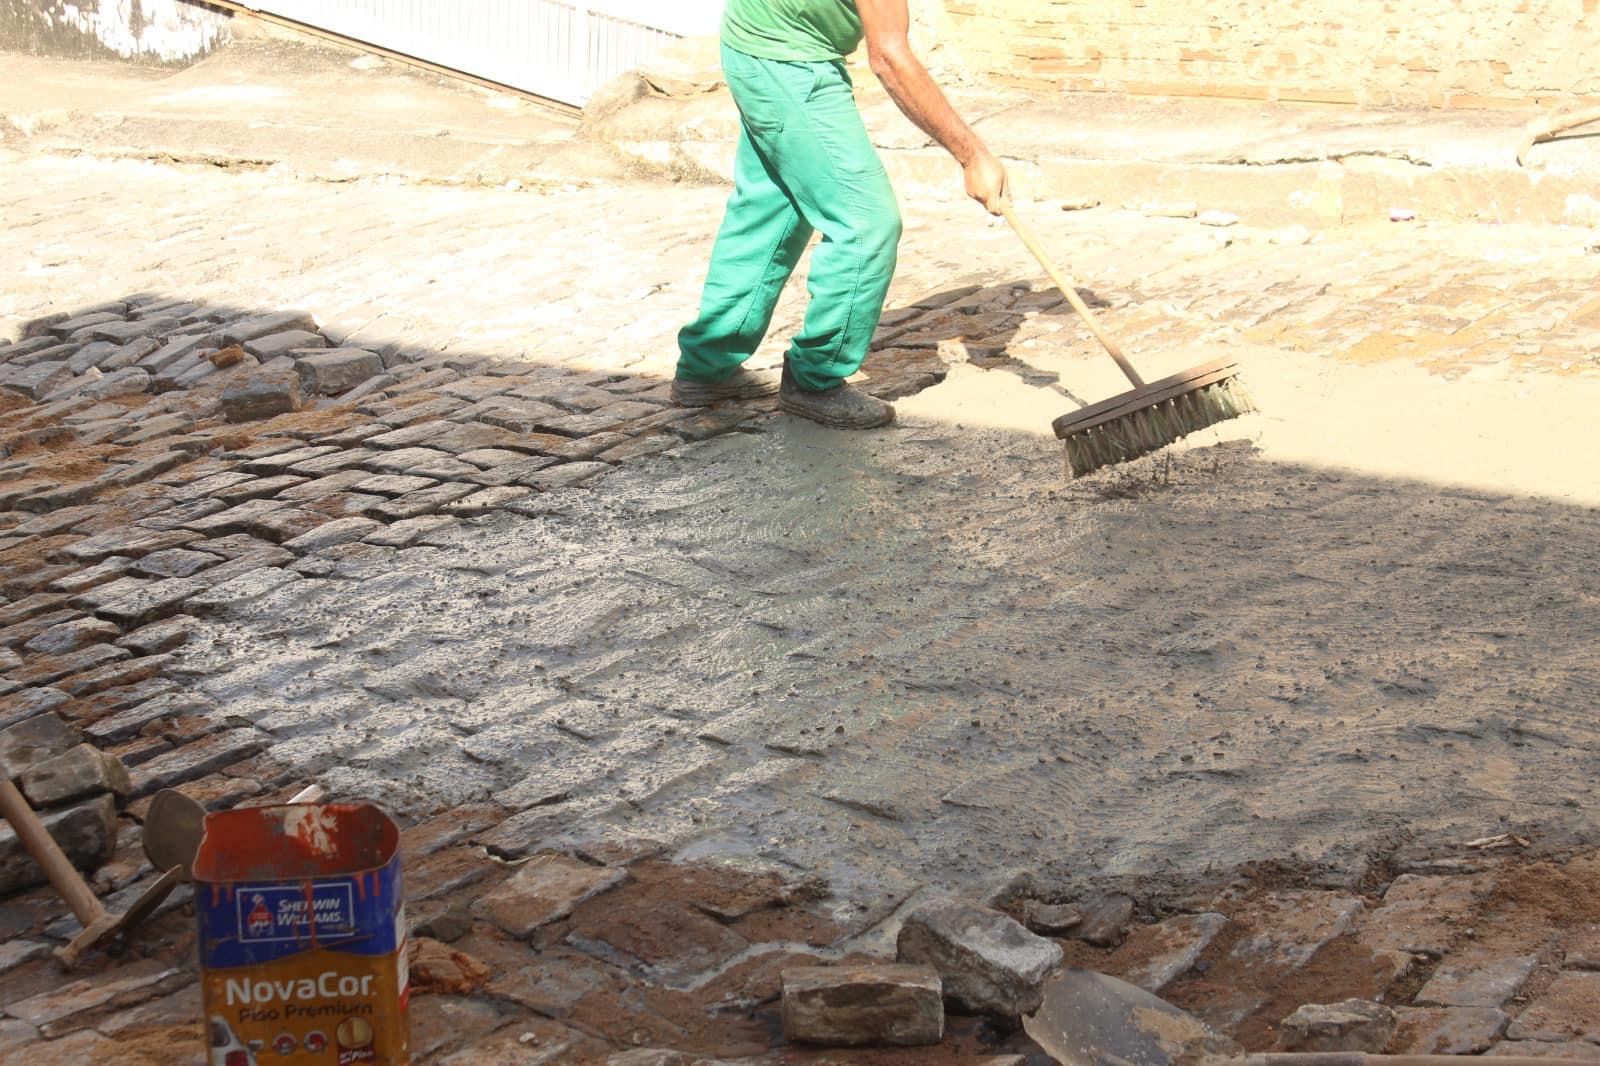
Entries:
{"x":804,"y":165}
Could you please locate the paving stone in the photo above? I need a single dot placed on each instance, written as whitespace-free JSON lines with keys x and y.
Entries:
{"x":132,"y":601}
{"x":409,"y":436}
{"x":86,"y":833}
{"x":355,"y":435}
{"x":567,"y":475}
{"x":32,"y":741}
{"x":275,"y":344}
{"x":114,"y":673}
{"x":282,"y":462}
{"x":60,"y":496}
{"x":198,"y":759}
{"x":200,"y":488}
{"x":712,"y":423}
{"x":405,"y":533}
{"x":269,"y":556}
{"x":54,"y":1012}
{"x":129,"y":354}
{"x":402,"y":460}
{"x":446,"y":470}
{"x":1448,"y":1030}
{"x":15,"y":952}
{"x":485,"y":501}
{"x":235,"y":518}
{"x":243,"y":589}
{"x":425,"y":502}
{"x":180,"y":516}
{"x":989,"y":963}
{"x":30,"y":607}
{"x":863,"y":1005}
{"x":544,"y":890}
{"x":440,"y":1024}
{"x":1354,"y":1025}
{"x":1175,"y":946}
{"x":46,"y":525}
{"x":474,"y":436}
{"x":1299,"y":925}
{"x":587,"y":447}
{"x":577,"y":425}
{"x":347,"y":504}
{"x":639,"y":448}
{"x":157,"y":637}
{"x":129,"y":381}
{"x":14,"y":636}
{"x":1477,"y":982}
{"x":1568,"y":1010}
{"x":149,"y":470}
{"x":175,"y":562}
{"x":289,"y":523}
{"x":84,"y":319}
{"x":130,"y":721}
{"x":77,"y":773}
{"x":70,"y":636}
{"x":333,"y":462}
{"x":517,"y":416}
{"x":322,"y":487}
{"x":29,"y":703}
{"x":393,"y":484}
{"x":90,"y":356}
{"x":332,"y":372}
{"x":262,"y":396}
{"x":124,"y":332}
{"x":488,"y":458}
{"x":177,"y":1010}
{"x":264,"y":325}
{"x":262,"y":449}
{"x":176,"y":349}
{"x":55,"y":670}
{"x":128,"y":541}
{"x":339,"y":531}
{"x":259,"y":489}
{"x":149,"y":429}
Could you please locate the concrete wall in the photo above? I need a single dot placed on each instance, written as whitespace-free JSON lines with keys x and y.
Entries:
{"x":1375,"y":53}
{"x":148,"y":31}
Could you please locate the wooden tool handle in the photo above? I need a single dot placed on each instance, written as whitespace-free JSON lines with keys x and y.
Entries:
{"x":1070,"y":291}
{"x":48,"y":854}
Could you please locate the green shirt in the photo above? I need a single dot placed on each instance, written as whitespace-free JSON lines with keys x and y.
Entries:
{"x":804,"y":31}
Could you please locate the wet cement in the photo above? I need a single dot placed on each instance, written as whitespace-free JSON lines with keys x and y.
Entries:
{"x":921,"y":658}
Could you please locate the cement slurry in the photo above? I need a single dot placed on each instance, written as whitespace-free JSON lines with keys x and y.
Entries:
{"x":918,"y":657}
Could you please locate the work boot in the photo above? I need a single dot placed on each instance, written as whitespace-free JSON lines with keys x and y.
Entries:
{"x":742,"y":384}
{"x":840,"y":407}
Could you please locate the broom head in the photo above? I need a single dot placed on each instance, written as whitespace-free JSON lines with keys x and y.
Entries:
{"x":1151,"y":417}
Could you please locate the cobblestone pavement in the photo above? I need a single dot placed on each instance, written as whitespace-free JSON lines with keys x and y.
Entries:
{"x":487,"y":570}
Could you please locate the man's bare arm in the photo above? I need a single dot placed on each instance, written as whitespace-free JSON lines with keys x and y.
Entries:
{"x":887,"y":24}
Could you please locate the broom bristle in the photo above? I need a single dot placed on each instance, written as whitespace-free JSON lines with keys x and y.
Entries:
{"x":1152,"y":428}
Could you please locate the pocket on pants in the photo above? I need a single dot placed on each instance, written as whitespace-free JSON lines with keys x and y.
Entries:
{"x":767,"y":91}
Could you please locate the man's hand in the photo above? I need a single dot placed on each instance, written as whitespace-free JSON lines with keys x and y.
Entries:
{"x":986,"y":180}
{"x":887,"y":24}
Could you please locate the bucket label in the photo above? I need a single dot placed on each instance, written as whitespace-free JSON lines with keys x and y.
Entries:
{"x":282,"y":912}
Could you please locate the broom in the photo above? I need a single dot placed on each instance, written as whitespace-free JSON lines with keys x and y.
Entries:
{"x":1149,"y":416}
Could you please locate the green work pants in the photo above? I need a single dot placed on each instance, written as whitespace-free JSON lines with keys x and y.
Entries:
{"x":804,"y":165}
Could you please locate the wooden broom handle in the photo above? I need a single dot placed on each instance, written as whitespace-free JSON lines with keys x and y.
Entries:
{"x":1070,"y":291}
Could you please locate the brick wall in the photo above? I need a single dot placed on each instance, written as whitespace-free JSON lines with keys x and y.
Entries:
{"x":1374,"y":53}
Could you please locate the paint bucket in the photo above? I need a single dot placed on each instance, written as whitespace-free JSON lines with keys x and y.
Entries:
{"x":302,"y":937}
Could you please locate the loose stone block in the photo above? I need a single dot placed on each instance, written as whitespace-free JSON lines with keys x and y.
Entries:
{"x":332,"y":372}
{"x":1177,"y":945}
{"x":33,"y":741}
{"x":261,"y":397}
{"x":76,"y":773}
{"x":86,"y":832}
{"x":1477,"y":982}
{"x":36,"y":381}
{"x":1105,"y":921}
{"x":989,"y":963}
{"x":1353,"y":1025}
{"x":862,"y":1006}
{"x":127,"y":723}
{"x":544,"y":890}
{"x":1050,"y":919}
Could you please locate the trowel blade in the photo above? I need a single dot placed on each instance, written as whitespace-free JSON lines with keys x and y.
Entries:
{"x":172,"y":830}
{"x":1093,"y":1019}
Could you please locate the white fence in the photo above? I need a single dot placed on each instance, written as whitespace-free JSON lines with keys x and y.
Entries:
{"x":561,"y":49}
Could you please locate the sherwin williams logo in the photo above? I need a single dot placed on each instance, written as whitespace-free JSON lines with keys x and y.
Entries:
{"x":282,"y":912}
